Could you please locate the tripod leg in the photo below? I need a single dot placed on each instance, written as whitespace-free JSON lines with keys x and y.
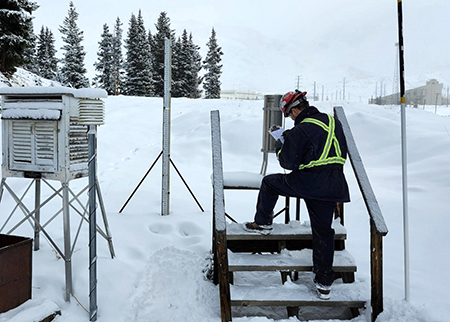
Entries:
{"x":139,"y":184}
{"x":189,"y":189}
{"x":1,"y":189}
{"x":105,"y":219}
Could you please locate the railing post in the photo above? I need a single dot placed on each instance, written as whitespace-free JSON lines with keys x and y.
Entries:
{"x":376,"y":264}
{"x":224,"y":285}
{"x":339,"y":212}
{"x":221,"y":272}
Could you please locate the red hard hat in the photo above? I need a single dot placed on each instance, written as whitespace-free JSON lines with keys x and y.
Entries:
{"x":290,"y":100}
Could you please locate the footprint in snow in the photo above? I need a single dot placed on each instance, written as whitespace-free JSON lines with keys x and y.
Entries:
{"x":160,"y":228}
{"x":188,"y":228}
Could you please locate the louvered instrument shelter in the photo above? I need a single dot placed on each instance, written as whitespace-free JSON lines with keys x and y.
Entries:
{"x":45,"y":131}
{"x":49,"y":133}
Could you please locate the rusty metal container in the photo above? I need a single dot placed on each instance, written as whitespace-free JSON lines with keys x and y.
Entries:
{"x":15,"y":271}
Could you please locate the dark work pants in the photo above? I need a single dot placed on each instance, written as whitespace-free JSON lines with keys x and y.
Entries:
{"x":321,"y":217}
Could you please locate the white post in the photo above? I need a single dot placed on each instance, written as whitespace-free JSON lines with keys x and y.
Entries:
{"x":404,"y":154}
{"x":166,"y":129}
{"x":405,"y":200}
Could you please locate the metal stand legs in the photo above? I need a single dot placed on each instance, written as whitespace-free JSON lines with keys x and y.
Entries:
{"x":69,"y":198}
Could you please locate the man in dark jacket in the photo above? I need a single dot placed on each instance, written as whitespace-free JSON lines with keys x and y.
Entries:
{"x":315,"y":150}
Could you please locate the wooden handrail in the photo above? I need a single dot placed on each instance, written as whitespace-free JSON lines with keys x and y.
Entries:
{"x":221,"y":272}
{"x":378,"y":227}
{"x":361,"y":176}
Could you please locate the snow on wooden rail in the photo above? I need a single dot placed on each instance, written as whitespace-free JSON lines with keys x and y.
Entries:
{"x":361,"y":176}
{"x":221,"y":272}
{"x":219,"y":203}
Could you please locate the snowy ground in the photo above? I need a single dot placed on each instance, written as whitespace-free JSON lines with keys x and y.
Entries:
{"x":158,"y":272}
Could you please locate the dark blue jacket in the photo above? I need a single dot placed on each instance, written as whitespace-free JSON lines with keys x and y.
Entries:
{"x":304,"y":143}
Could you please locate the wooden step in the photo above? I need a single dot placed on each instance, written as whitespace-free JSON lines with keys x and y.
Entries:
{"x":287,"y":261}
{"x":353,"y":295}
{"x":292,"y":231}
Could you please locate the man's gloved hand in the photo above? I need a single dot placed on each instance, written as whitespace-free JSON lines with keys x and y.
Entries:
{"x":278,"y":145}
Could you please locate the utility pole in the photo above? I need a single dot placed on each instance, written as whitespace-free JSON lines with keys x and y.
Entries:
{"x":447,"y":95}
{"x":314,"y":90}
{"x":435,"y":106}
{"x":343,"y":97}
{"x":298,"y":82}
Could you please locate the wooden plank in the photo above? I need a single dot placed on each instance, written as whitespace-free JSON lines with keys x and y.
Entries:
{"x":290,"y":296}
{"x":292,"y":231}
{"x":287,"y":261}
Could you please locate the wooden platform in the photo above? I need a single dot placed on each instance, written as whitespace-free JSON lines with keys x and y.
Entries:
{"x":343,"y":295}
{"x":292,"y":231}
{"x":299,"y":261}
{"x":292,"y":236}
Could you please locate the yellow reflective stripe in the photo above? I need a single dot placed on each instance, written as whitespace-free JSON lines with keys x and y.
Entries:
{"x":317,"y":122}
{"x":332,"y":160}
{"x":331,"y":140}
{"x":327,"y":148}
{"x":337,"y":147}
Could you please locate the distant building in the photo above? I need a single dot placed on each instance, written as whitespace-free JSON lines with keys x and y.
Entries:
{"x":241,"y":95}
{"x":430,"y":94}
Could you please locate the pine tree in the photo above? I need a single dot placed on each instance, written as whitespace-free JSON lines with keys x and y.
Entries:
{"x":105,"y":65}
{"x":29,"y":54}
{"x":138,"y":64}
{"x":193,"y":79}
{"x":118,"y":72}
{"x":213,"y":68}
{"x":16,"y":33}
{"x":163,"y":31}
{"x":177,"y":89}
{"x":73,"y":70}
{"x":184,"y":65}
{"x":46,"y":59}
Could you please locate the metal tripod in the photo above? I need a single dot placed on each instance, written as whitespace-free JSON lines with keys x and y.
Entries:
{"x":145,"y":176}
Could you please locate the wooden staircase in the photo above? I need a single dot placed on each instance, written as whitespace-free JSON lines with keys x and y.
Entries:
{"x":287,"y":249}
{"x":283,"y":251}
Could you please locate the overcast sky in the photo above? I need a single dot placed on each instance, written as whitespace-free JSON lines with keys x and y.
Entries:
{"x":269,"y":45}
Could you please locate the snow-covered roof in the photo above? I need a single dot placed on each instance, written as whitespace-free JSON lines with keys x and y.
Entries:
{"x":33,"y":114}
{"x":89,"y":93}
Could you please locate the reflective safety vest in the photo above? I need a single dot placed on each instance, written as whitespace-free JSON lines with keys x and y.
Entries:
{"x":325,"y":159}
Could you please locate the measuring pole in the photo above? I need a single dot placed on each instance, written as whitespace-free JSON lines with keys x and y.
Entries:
{"x":92,"y":226}
{"x":166,"y":129}
{"x":404,"y":158}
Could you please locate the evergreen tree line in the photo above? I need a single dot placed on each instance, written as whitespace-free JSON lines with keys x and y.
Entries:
{"x":138,"y":72}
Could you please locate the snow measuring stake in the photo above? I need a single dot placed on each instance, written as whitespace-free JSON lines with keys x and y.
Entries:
{"x":165,"y":193}
{"x":165,"y":153}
